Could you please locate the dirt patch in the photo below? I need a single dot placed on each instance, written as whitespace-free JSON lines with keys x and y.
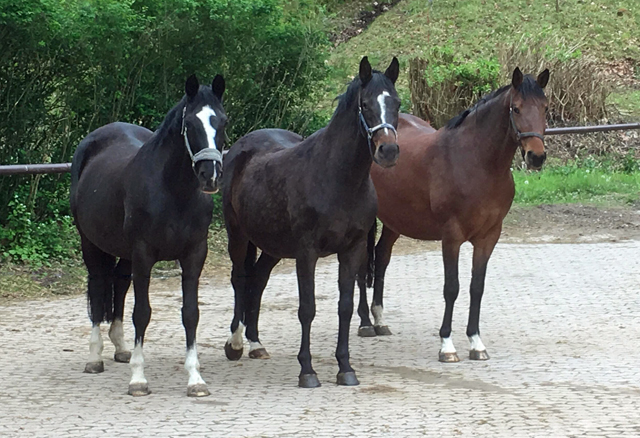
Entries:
{"x":361,"y":20}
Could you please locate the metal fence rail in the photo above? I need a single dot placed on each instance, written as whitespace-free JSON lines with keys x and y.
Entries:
{"x":32,"y":169}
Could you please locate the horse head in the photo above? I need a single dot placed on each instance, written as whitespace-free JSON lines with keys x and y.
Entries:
{"x":203,"y":124}
{"x":527,"y":111}
{"x":378,"y":108}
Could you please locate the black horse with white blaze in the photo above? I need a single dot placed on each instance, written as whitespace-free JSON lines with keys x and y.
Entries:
{"x":306,"y":199}
{"x":143,"y":196}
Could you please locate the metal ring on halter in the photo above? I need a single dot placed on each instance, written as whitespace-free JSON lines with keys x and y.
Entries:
{"x":371,"y":131}
{"x":204,"y":154}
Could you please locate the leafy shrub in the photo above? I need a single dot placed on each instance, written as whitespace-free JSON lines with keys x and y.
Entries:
{"x":67,"y":68}
{"x":442,"y":85}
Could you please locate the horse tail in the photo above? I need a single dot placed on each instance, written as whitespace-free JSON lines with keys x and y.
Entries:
{"x":371,"y":250}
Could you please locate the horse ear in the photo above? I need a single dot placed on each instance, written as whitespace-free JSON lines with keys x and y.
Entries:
{"x":365,"y":71}
{"x":543,"y":78}
{"x":192,"y":86}
{"x":517,"y":78}
{"x":393,"y":70}
{"x":218,"y":86}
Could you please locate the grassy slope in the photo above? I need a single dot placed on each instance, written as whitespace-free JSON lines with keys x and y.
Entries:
{"x":477,"y":27}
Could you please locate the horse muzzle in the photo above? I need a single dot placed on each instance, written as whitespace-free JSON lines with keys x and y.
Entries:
{"x":534,"y":161}
{"x":387,"y":154}
{"x":209,"y":175}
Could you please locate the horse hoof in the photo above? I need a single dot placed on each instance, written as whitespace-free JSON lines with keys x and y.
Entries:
{"x":367,"y":331}
{"x":478,"y":355}
{"x":231,"y":353}
{"x":259,"y":353}
{"x":139,"y":389}
{"x":448,"y":357}
{"x":122,"y":357}
{"x":348,"y":379}
{"x":308,"y":381}
{"x":94,"y":367}
{"x":199,"y":390}
{"x":382,"y":330}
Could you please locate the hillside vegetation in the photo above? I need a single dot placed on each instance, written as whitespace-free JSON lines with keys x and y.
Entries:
{"x":606,"y":29}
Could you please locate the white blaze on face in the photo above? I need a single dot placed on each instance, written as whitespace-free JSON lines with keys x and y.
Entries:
{"x":383,"y":109}
{"x":205,"y":115}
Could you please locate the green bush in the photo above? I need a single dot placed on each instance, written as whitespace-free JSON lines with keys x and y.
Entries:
{"x":443,"y":84}
{"x":67,"y":68}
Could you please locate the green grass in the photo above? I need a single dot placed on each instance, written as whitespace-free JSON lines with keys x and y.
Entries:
{"x":627,"y":102}
{"x":572,"y":184}
{"x":477,"y":28}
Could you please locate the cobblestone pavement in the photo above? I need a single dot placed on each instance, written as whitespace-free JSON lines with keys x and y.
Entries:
{"x":561,"y":323}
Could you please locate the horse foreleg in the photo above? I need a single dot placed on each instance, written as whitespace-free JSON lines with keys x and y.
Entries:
{"x":121,"y":283}
{"x":142,"y":265}
{"x":350,"y":262}
{"x":482,"y":249}
{"x":263,"y":268}
{"x":383,"y":256}
{"x":305,"y":269}
{"x":450,"y":253}
{"x":191,"y":269}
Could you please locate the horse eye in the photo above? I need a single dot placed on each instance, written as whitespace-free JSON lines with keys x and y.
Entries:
{"x":516,"y":110}
{"x":364,"y":106}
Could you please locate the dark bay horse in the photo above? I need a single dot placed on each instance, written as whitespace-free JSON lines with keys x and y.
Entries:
{"x":305,"y":199}
{"x":455,"y":185}
{"x":142,"y":196}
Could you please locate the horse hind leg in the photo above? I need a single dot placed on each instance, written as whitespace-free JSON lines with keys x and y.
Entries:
{"x":366,"y":329}
{"x":100,"y":300}
{"x":382,"y":258}
{"x":262,"y":271}
{"x":364,"y":278}
{"x":121,"y":283}
{"x":243,"y":256}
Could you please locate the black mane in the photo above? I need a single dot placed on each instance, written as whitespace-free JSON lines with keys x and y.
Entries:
{"x":529,"y":87}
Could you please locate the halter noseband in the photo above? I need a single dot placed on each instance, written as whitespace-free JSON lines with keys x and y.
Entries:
{"x":212,"y":154}
{"x":371,"y":131}
{"x":521,"y":135}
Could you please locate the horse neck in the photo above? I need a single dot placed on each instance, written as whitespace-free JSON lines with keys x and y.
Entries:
{"x":345,"y":154}
{"x":170,"y":154}
{"x":493,"y":140}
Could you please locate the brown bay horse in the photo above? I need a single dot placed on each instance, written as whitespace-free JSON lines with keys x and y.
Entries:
{"x":304,"y":199}
{"x":455,"y":185}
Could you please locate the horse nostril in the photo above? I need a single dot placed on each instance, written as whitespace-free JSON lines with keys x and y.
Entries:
{"x":529,"y":154}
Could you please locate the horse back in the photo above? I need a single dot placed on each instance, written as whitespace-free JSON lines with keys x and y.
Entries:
{"x":97,"y":175}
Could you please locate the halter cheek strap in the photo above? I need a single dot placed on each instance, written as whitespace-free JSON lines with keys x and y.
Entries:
{"x":371,"y":131}
{"x":212,"y":154}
